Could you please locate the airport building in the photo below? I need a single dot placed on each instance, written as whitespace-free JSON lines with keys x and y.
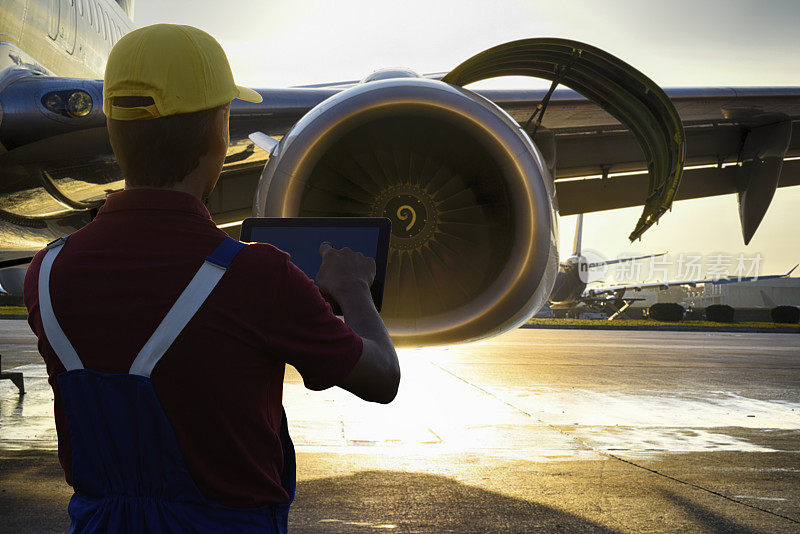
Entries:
{"x":756,"y":294}
{"x":752,"y":300}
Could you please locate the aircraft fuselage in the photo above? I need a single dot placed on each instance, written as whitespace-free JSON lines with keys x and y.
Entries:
{"x":70,"y":38}
{"x":570,"y":284}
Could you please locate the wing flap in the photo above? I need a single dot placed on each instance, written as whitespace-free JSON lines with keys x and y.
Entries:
{"x":598,"y":194}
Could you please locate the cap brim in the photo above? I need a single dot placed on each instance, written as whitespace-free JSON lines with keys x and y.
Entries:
{"x":243,"y":93}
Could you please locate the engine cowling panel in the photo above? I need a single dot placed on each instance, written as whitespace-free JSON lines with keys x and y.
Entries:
{"x":473,"y":245}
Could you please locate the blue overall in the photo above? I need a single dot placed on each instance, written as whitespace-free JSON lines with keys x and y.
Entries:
{"x":127,"y":470}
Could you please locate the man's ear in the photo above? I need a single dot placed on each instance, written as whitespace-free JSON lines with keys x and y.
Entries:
{"x":222,"y":120}
{"x":110,"y":130}
{"x":220,"y":127}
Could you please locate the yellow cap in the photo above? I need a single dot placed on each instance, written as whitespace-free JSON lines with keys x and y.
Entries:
{"x":181,"y":68}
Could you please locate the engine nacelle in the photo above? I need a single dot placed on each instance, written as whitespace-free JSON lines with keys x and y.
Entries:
{"x":473,"y":245}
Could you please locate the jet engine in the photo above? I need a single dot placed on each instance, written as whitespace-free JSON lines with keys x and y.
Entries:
{"x":473,"y":244}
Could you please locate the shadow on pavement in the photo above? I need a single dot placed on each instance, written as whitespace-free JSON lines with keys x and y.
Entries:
{"x":420,"y":502}
{"x":34,"y":498}
{"x":712,"y":521}
{"x":33,"y":493}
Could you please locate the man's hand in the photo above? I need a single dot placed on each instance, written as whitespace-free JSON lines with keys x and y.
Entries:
{"x":345,"y":276}
{"x":343,"y":272}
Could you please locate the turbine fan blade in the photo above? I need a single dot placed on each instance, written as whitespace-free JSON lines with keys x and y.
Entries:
{"x":448,"y":209}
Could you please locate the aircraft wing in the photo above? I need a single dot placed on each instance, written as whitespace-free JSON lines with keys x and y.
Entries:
{"x":599,"y":166}
{"x":621,"y":260}
{"x":743,"y":141}
{"x":56,"y":169}
{"x":621,"y":289}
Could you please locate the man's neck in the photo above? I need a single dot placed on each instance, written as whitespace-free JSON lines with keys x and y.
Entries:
{"x":180,"y":186}
{"x":195,"y":184}
{"x":198,"y":183}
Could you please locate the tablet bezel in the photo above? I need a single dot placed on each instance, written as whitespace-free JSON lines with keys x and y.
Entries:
{"x":383,"y":224}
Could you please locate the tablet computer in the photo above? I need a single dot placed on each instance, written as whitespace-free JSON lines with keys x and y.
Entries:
{"x":302,"y":236}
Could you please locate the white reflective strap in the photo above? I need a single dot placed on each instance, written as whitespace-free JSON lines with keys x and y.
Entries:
{"x":58,"y":340}
{"x":176,"y":319}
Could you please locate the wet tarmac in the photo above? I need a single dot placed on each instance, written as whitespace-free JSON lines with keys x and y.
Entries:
{"x":536,"y":430}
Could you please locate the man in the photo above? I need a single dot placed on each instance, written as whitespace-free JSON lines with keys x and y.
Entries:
{"x":167,"y":369}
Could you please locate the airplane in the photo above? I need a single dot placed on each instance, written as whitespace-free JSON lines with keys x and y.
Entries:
{"x":485,"y":172}
{"x":570,"y":293}
{"x":769,"y":303}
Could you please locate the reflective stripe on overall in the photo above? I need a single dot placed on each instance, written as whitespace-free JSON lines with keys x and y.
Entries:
{"x":127,"y":470}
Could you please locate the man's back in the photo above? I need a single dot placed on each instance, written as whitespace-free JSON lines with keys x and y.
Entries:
{"x":220,"y":383}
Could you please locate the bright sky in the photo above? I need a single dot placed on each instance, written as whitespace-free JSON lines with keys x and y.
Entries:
{"x":678,"y":43}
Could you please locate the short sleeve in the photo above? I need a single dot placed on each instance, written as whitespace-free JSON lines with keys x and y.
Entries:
{"x":306,"y":334}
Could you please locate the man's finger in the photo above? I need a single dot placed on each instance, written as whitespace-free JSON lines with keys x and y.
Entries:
{"x":324,"y":248}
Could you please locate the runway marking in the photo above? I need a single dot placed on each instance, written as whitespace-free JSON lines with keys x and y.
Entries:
{"x":760,"y":498}
{"x":385,"y":526}
{"x":614,"y":456}
{"x":656,"y":409}
{"x":664,"y":440}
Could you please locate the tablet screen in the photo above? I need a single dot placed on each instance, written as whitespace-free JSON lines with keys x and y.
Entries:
{"x":302,"y":236}
{"x":302,"y":243}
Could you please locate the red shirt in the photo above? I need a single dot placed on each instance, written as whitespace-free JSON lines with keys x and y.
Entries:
{"x":221,"y":381}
